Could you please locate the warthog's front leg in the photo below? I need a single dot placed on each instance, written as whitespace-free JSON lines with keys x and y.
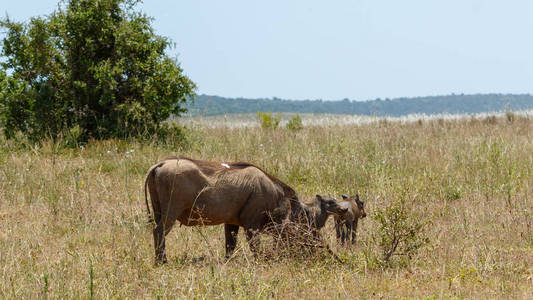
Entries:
{"x":231,"y":232}
{"x":253,"y":242}
{"x":338,"y":224}
{"x":354,"y":231}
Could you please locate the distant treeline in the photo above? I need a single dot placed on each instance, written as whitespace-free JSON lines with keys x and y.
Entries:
{"x":452,"y":104}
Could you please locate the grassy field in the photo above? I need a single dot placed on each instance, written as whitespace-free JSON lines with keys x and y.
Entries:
{"x":73,"y":221}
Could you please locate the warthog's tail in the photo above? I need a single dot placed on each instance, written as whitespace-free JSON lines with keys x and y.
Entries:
{"x":148,"y":177}
{"x":150,"y":219}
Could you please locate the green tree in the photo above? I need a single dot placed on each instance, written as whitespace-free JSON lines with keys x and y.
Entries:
{"x":94,"y":65}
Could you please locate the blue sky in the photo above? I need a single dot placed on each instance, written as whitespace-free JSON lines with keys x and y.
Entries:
{"x":359,"y":49}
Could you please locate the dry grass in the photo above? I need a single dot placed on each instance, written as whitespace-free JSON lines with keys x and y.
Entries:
{"x":73,"y":222}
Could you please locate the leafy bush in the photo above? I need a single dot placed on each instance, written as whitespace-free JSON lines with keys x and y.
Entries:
{"x":97,"y":65}
{"x":173,"y":135}
{"x":73,"y":136}
{"x":452,"y":193}
{"x":267,"y":121}
{"x":400,"y":232}
{"x":295,"y":123}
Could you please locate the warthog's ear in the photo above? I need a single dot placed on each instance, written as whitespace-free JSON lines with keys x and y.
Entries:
{"x":344,"y":196}
{"x":357,"y":197}
{"x":319,"y":197}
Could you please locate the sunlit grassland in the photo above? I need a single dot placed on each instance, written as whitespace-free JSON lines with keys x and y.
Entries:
{"x":73,"y":221}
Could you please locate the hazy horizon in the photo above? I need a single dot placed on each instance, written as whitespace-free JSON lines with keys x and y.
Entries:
{"x":362,"y":100}
{"x":361,"y":51}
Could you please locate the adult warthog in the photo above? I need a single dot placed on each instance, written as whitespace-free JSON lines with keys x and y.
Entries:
{"x":236,"y":194}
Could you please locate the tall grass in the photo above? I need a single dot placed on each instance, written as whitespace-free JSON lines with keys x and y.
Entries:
{"x":73,"y":225}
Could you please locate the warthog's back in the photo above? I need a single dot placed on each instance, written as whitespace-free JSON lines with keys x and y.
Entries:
{"x":350,"y":213}
{"x":180,"y":178}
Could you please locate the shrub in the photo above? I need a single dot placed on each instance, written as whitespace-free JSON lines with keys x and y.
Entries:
{"x":73,"y":136}
{"x":173,"y":135}
{"x":510,"y":116}
{"x":452,"y":193}
{"x":267,"y":121}
{"x":97,"y":65}
{"x":295,"y":123}
{"x":400,"y":232}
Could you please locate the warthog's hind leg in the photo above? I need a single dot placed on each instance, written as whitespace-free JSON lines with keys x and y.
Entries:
{"x":231,"y":232}
{"x":160,"y":232}
{"x":348,"y":231}
{"x":343,"y":231}
{"x":159,"y":244}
